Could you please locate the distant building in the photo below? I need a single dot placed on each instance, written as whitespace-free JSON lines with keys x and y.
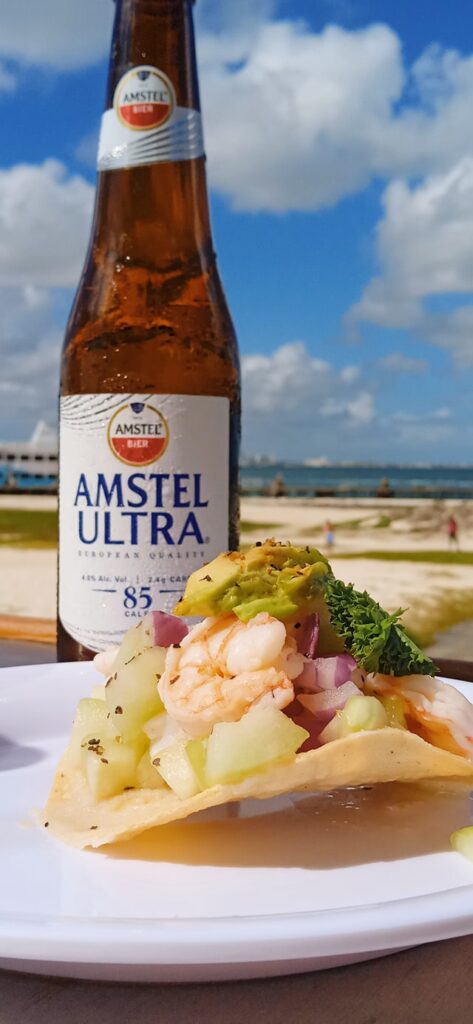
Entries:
{"x":30,"y":465}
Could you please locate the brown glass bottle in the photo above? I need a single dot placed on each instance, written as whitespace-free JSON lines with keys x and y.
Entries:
{"x":150,"y":373}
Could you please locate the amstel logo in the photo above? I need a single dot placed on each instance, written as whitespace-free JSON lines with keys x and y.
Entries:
{"x":144,"y":98}
{"x":138,"y":434}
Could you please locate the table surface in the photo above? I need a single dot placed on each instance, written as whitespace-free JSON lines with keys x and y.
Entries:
{"x":430,"y":984}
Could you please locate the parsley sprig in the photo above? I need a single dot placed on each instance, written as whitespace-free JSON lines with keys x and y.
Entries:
{"x":376,"y":639}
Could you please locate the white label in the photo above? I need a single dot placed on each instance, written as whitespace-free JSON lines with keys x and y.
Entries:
{"x":145,"y":125}
{"x":144,"y":500}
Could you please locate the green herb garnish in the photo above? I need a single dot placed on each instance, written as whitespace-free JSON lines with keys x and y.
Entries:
{"x":376,"y":639}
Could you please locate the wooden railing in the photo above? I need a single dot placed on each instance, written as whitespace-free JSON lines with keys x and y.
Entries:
{"x":22,"y":627}
{"x":43,"y":631}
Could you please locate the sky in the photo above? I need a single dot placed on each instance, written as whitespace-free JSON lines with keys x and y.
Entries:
{"x":339,"y":136}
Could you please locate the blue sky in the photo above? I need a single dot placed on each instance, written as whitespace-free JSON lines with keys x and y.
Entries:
{"x":340,"y":155}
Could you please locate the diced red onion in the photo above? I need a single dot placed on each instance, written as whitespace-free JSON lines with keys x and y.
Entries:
{"x":324,"y":704}
{"x":307,"y":635}
{"x":325,"y":673}
{"x":167,"y":629}
{"x":307,"y":681}
{"x":334,"y":671}
{"x":312,"y":725}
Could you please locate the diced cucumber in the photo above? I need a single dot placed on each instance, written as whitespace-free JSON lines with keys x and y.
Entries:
{"x":154,"y":727}
{"x":237,"y":749}
{"x":462,"y":841}
{"x":109,"y":764}
{"x":147,"y":775}
{"x":136,"y":640}
{"x":98,"y":692}
{"x":169,"y":733}
{"x":92,"y":719}
{"x":333,"y":730}
{"x":361,"y":714}
{"x":196,"y":751}
{"x":175,"y":768}
{"x":131,"y":693}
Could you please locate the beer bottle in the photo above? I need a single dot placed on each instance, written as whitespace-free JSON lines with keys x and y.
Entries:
{"x":149,"y":406}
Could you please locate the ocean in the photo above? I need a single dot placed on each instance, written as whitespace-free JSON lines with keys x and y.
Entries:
{"x":434,"y":482}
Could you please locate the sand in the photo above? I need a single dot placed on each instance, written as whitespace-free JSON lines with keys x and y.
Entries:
{"x":28,"y":577}
{"x":28,"y":582}
{"x":357,"y":525}
{"x":28,"y":501}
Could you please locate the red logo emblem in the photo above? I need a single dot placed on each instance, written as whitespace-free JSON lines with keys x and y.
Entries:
{"x":144,"y":98}
{"x":138,"y":434}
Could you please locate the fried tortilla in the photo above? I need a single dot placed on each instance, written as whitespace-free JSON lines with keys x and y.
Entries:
{"x":363,"y":758}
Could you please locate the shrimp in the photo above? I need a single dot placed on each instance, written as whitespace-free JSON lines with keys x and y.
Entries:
{"x":442,"y":715}
{"x":105,"y":660}
{"x":224,"y":667}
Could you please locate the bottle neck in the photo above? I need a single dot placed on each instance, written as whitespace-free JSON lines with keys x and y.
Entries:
{"x":151,"y":202}
{"x":158,"y":33}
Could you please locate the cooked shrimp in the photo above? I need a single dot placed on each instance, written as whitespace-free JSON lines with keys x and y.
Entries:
{"x":105,"y":660}
{"x":443,"y":716}
{"x":224,"y":667}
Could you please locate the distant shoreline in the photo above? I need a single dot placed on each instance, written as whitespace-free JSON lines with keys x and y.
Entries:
{"x":50,"y":501}
{"x":358,"y":481}
{"x":315,"y":480}
{"x":378,"y":466}
{"x":397,"y":549}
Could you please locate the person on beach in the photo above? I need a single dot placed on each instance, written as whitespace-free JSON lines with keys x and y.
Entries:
{"x":452,"y":531}
{"x":277,"y":487}
{"x":329,"y":535}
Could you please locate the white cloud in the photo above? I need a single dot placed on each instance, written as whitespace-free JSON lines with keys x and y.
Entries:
{"x":30,"y":387}
{"x":361,"y":409}
{"x":452,"y":331}
{"x":86,"y":150}
{"x":30,"y":350}
{"x":226,"y":30}
{"x":401,"y":416}
{"x":287,"y":376}
{"x":424,"y":248}
{"x":57,"y":34}
{"x":425,"y":239}
{"x":428,"y":435}
{"x":299,"y":406}
{"x":429,"y":428}
{"x":294,"y":119}
{"x":293,"y":402}
{"x":64,"y":35}
{"x":398,"y":362}
{"x":357,"y":410}
{"x":349,"y":374}
{"x":293,"y":126}
{"x":44,"y":225}
{"x":7,"y":79}
{"x":25,"y":315}
{"x":297,"y":119}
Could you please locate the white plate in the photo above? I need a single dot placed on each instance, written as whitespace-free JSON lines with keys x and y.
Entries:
{"x":270,"y":887}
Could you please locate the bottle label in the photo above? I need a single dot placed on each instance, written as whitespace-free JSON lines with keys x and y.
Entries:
{"x":144,"y":501}
{"x":145,"y":125}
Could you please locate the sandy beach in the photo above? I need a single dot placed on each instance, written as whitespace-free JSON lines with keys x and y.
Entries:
{"x":428,"y":589}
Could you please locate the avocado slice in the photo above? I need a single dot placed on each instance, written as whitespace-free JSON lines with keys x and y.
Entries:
{"x":283,"y":580}
{"x":277,"y":578}
{"x":206,"y":586}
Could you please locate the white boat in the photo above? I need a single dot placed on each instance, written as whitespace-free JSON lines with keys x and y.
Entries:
{"x":30,"y":465}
